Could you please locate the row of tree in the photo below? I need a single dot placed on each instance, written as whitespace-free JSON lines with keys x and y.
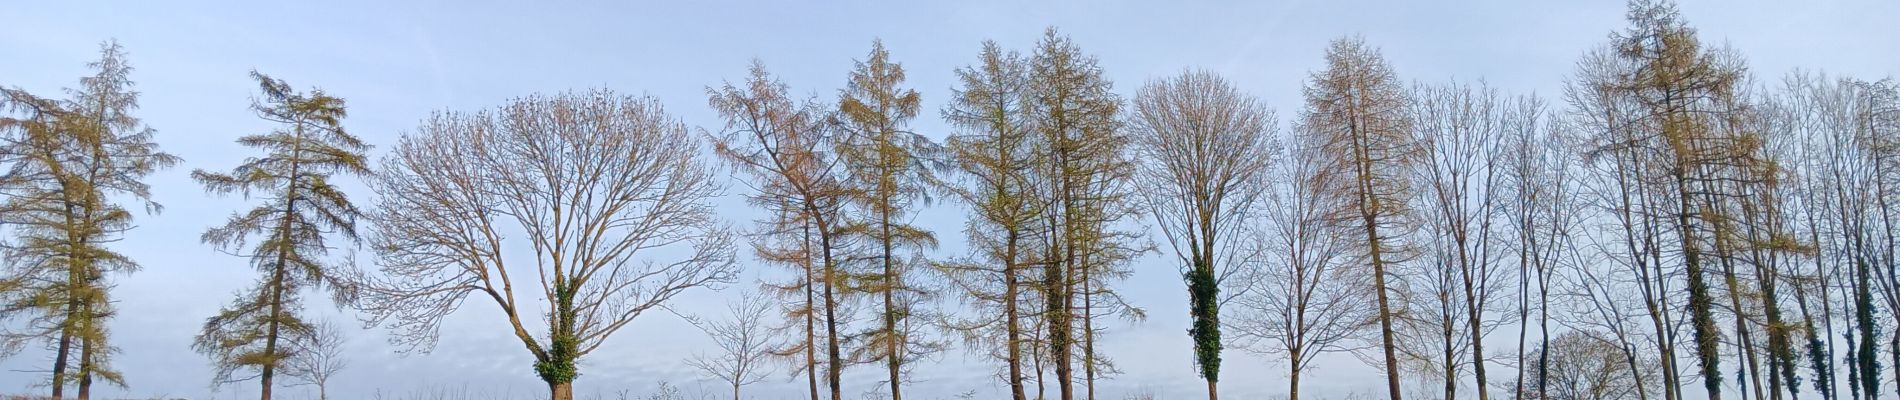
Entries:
{"x":1671,"y":223}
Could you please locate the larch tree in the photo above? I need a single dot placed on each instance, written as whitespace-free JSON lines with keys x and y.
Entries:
{"x":890,"y":169}
{"x":71,"y":167}
{"x":1614,"y":184}
{"x":1359,"y":107}
{"x":1676,"y":86}
{"x":1084,"y":186}
{"x":994,"y":155}
{"x":785,"y":151}
{"x":286,"y":236}
{"x":610,"y":192}
{"x":1206,"y":148}
{"x":1308,"y":300}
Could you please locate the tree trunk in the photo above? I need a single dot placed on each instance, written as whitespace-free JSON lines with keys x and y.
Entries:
{"x":270,"y":338}
{"x":1012,"y":327}
{"x":561,"y":391}
{"x":74,"y":278}
{"x":1385,"y":312}
{"x":1293,"y":379}
{"x":834,"y":365}
{"x":811,"y":335}
{"x":60,"y":355}
{"x":893,"y":346}
{"x":86,"y":364}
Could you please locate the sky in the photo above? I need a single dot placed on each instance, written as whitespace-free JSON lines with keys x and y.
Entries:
{"x":396,"y":62}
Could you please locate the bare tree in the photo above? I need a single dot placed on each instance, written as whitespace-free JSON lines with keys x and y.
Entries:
{"x":744,"y":340}
{"x":1459,"y":130}
{"x":1206,"y":148}
{"x":1585,"y":368}
{"x":597,"y":182}
{"x":1308,"y":300}
{"x":317,"y":356}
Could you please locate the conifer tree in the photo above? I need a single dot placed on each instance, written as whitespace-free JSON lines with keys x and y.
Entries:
{"x":889,"y":167}
{"x":1359,"y":108}
{"x":992,"y":153}
{"x":286,"y":237}
{"x":69,"y":160}
{"x":784,"y":149}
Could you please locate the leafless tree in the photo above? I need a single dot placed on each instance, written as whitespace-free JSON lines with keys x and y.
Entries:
{"x":1585,"y":368}
{"x":744,"y":340}
{"x":596,"y":182}
{"x":1308,"y":298}
{"x":1459,"y":130}
{"x":317,"y":356}
{"x":1205,"y":147}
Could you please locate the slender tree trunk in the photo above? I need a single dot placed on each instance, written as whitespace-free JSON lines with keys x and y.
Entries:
{"x":811,"y":314}
{"x":64,"y":349}
{"x":1293,"y":376}
{"x":271,"y":333}
{"x":894,"y":346}
{"x":277,"y":273}
{"x":1012,"y":324}
{"x":561,"y":391}
{"x":86,"y":363}
{"x":75,"y":281}
{"x":1474,"y":315}
{"x":1450,"y":359}
{"x":1523,"y":302}
{"x":1385,"y":309}
{"x":833,"y":372}
{"x":1088,"y":330}
{"x":1702,"y":319}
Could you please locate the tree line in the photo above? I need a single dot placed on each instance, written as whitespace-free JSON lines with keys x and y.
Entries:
{"x":1667,"y":223}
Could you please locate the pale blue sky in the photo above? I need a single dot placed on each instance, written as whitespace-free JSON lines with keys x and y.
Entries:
{"x":397,"y":61}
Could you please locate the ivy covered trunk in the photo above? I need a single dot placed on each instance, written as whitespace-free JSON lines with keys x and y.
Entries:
{"x":556,"y":366}
{"x":1203,"y":289}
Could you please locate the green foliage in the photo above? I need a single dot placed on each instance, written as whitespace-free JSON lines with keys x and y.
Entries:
{"x":286,"y":233}
{"x":563,"y":345}
{"x":1204,"y":309}
{"x":67,"y":162}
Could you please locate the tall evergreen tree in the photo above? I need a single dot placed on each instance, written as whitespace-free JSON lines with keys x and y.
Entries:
{"x":1675,"y":85}
{"x":286,"y":236}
